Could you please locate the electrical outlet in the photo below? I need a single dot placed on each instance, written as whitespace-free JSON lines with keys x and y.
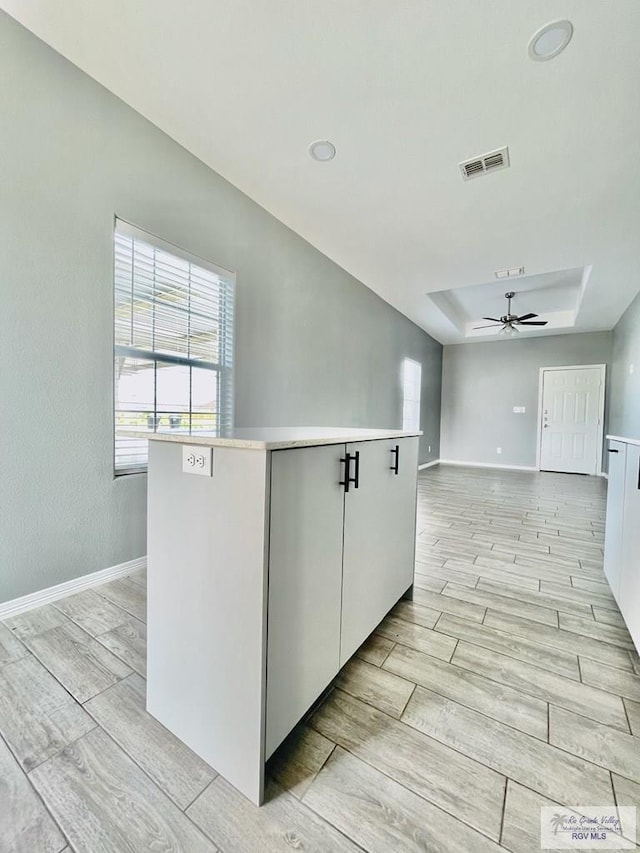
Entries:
{"x":519,"y":410}
{"x":631,"y":370}
{"x":498,"y":450}
{"x":197,"y":460}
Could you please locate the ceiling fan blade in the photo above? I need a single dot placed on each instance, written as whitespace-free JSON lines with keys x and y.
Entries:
{"x":526,"y":317}
{"x":495,"y":319}
{"x":490,"y":326}
{"x":532,"y":322}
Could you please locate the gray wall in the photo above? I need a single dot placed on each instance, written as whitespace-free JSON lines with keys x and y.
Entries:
{"x":313,"y":345}
{"x":481,"y":383}
{"x":624,"y":412}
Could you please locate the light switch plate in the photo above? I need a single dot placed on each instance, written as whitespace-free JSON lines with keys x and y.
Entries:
{"x":197,"y":460}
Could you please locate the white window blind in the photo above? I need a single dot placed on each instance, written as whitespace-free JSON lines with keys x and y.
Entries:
{"x":411,"y":393}
{"x":173,"y":343}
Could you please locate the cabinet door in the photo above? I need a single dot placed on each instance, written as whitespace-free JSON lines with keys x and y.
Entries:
{"x":630,"y":576}
{"x":379,"y":536}
{"x":305,"y":583}
{"x":617,"y":456}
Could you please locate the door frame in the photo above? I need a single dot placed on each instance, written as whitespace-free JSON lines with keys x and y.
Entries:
{"x":603,"y":375}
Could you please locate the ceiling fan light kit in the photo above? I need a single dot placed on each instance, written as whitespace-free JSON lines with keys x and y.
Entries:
{"x":509,"y":321}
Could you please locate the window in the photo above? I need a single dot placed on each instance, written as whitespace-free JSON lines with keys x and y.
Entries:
{"x":173,"y":343}
{"x":411,"y":388}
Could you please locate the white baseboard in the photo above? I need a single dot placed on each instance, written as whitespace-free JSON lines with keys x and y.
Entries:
{"x":52,"y":593}
{"x":488,"y":465}
{"x":428,"y":464}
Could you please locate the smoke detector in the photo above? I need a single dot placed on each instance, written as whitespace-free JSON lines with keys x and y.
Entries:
{"x":485,"y":163}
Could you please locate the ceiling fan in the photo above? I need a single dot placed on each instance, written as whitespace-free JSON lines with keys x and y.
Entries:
{"x":510,"y":321}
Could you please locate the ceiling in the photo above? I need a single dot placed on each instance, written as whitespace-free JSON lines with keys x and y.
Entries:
{"x":405,"y":91}
{"x":461,"y":313}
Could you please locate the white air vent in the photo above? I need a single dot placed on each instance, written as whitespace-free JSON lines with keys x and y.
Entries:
{"x":510,"y":273}
{"x":490,"y":162}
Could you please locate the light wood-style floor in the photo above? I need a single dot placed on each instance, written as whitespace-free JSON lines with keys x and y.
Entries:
{"x":509,"y":683}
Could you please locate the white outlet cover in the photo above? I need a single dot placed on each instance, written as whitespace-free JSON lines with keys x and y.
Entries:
{"x":498,"y":450}
{"x":519,"y":410}
{"x":197,"y":460}
{"x":631,"y":370}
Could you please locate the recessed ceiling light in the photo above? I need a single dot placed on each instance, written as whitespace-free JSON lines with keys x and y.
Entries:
{"x":550,"y":40}
{"x":322,"y":150}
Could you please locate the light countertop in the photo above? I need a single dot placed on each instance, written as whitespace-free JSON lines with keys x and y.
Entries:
{"x":635,"y":441}
{"x":272,"y":438}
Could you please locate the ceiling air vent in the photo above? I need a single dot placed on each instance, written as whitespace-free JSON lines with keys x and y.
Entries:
{"x":490,"y":162}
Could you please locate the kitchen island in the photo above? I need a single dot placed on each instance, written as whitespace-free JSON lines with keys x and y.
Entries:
{"x":272,"y":555}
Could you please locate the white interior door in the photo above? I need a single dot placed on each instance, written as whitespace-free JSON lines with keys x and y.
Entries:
{"x":571,"y":412}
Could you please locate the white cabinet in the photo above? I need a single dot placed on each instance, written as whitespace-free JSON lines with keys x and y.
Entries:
{"x":305,"y":583}
{"x":617,"y":453}
{"x":379,"y":536}
{"x":264,"y":578}
{"x":622,"y":531}
{"x":629,"y":600}
{"x":342,"y":540}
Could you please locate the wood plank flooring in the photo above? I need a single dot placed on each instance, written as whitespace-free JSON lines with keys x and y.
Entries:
{"x":507,"y":684}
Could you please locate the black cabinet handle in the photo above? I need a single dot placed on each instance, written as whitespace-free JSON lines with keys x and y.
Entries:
{"x":396,"y":464}
{"x":639,"y":475}
{"x":356,"y":480}
{"x":347,"y":467}
{"x":612,"y":450}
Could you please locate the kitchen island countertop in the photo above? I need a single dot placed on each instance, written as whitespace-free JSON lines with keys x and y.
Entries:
{"x":272,"y":438}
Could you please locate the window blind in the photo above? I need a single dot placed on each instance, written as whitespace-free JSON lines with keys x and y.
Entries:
{"x":173,"y":337}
